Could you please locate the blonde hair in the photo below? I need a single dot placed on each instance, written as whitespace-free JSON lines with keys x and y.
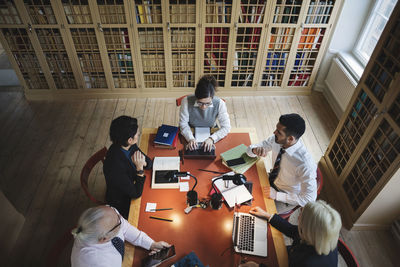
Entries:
{"x":88,"y":230}
{"x":319,"y":226}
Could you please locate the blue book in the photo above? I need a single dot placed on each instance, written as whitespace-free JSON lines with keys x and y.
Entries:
{"x":166,"y":134}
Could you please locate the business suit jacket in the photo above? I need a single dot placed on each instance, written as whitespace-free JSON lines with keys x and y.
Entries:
{"x":301,"y":254}
{"x":122,"y":181}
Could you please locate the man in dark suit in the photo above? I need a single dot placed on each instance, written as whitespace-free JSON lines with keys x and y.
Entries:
{"x":124,"y":165}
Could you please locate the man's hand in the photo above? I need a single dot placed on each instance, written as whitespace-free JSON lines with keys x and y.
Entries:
{"x":259,"y":151}
{"x":208,"y":144}
{"x":157,"y":246}
{"x":259,"y":212}
{"x":270,"y":192}
{"x":139,"y":160}
{"x":192,"y":145}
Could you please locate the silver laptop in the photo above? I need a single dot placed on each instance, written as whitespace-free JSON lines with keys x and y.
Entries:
{"x":249,"y":234}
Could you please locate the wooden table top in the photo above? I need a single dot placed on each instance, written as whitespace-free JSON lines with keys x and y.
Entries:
{"x":207,"y":232}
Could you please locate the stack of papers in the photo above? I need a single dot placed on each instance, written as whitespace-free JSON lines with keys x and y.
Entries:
{"x":238,"y":152}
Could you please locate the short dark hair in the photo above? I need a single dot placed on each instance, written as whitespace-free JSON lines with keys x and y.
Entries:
{"x":123,"y":128}
{"x":294,"y":125}
{"x":206,"y":87}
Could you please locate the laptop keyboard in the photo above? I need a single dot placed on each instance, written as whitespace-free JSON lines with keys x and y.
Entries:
{"x":246,"y":233}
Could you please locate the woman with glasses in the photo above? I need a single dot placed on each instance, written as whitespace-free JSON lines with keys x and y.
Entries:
{"x":100,"y":235}
{"x":315,"y":239}
{"x":202,"y":110}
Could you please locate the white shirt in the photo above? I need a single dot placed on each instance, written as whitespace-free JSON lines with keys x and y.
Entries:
{"x":223,"y":118}
{"x":297,"y":175}
{"x":91,"y":255}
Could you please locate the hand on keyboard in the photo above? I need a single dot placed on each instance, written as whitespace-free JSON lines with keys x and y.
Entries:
{"x":259,"y":212}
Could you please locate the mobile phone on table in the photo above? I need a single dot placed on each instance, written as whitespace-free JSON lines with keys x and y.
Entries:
{"x":233,"y":162}
{"x":159,"y":257}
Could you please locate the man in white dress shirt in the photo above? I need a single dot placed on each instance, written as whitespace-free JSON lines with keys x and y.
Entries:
{"x":202,"y":110}
{"x":100,"y":236}
{"x":293,"y":177}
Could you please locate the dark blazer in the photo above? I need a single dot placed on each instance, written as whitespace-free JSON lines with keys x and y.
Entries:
{"x":301,"y":254}
{"x":122,"y":181}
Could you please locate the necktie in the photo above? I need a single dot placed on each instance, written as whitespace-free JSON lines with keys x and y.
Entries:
{"x":119,"y":245}
{"x":275,"y":171}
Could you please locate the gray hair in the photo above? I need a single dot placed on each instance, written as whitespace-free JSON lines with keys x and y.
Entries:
{"x":88,"y":230}
{"x":319,"y":226}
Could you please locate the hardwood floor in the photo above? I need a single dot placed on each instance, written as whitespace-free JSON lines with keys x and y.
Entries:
{"x":44,"y":146}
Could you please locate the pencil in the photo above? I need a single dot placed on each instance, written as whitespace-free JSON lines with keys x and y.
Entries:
{"x":161,"y":209}
{"x":161,"y":219}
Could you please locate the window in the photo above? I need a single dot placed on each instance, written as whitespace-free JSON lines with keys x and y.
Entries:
{"x":373,"y":28}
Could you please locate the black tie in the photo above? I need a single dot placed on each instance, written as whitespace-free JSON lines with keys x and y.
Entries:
{"x":275,"y":171}
{"x":119,"y":245}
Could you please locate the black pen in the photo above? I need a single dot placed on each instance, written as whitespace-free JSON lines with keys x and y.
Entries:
{"x":161,"y":219}
{"x":211,"y":171}
{"x":161,"y":209}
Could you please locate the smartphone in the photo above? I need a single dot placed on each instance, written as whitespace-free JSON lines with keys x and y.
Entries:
{"x":233,"y":162}
{"x":159,"y":257}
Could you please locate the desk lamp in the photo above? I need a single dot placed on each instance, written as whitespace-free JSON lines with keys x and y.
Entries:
{"x":237,"y":179}
{"x":191,"y":195}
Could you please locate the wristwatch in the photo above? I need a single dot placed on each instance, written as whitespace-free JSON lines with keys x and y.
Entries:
{"x":140,"y":172}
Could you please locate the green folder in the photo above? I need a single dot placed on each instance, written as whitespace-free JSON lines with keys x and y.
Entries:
{"x":238,"y":152}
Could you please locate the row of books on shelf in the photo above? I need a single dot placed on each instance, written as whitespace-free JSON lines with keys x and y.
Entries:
{"x":78,"y":14}
{"x":287,"y":12}
{"x":120,"y":37}
{"x":183,"y":79}
{"x":276,"y":61}
{"x":319,"y":11}
{"x":183,"y":13}
{"x":298,"y":79}
{"x":122,"y":62}
{"x":183,"y":38}
{"x":215,"y":60}
{"x":183,"y":62}
{"x":58,"y":62}
{"x":112,"y":14}
{"x":154,"y":80}
{"x":220,"y":12}
{"x":90,"y":62}
{"x":271,"y":79}
{"x":8,"y":13}
{"x":154,"y":62}
{"x":244,"y":59}
{"x":311,"y":38}
{"x":147,"y":13}
{"x":281,"y":38}
{"x":151,"y":39}
{"x":94,"y":81}
{"x":252,"y":13}
{"x":124,"y":82}
{"x":42,"y":14}
{"x":242,"y":79}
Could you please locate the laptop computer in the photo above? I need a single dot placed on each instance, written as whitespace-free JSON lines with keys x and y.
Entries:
{"x":199,"y":153}
{"x":249,"y":234}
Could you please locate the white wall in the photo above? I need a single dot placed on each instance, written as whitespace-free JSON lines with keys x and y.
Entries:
{"x":348,"y":28}
{"x":385,"y":208}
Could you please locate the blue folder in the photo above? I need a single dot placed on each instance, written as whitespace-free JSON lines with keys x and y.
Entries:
{"x":166,"y":134}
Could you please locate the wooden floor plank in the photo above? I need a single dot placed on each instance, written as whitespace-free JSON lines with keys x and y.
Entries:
{"x":229,"y":107}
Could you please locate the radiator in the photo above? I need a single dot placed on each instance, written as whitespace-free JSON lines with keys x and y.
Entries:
{"x":340,"y":83}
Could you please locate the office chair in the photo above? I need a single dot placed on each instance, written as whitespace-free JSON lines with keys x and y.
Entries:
{"x":287,"y":214}
{"x":92,"y":161}
{"x":347,"y":254}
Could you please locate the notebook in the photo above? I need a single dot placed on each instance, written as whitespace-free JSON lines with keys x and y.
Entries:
{"x":249,"y":234}
{"x":238,"y":152}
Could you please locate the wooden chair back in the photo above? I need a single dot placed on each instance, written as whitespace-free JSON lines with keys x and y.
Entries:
{"x":347,"y":254}
{"x":85,"y":173}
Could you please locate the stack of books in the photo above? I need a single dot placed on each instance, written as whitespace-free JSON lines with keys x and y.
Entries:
{"x":167,"y":137}
{"x":235,"y":153}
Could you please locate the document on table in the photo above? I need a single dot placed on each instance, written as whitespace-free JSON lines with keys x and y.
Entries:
{"x":201,"y":134}
{"x":165,"y":164}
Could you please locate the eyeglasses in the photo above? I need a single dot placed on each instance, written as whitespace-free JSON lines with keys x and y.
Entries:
{"x":116,"y":226}
{"x":204,"y":104}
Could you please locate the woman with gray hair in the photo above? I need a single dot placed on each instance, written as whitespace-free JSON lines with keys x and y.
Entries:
{"x":315,"y":239}
{"x":100,"y":236}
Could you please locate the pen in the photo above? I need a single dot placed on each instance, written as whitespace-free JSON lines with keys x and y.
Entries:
{"x":181,"y":157}
{"x":161,"y":209}
{"x":211,"y":171}
{"x":161,"y":219}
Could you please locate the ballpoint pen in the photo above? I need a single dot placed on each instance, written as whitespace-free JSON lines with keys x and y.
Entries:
{"x":161,"y":209}
{"x":161,"y":219}
{"x":204,"y":170}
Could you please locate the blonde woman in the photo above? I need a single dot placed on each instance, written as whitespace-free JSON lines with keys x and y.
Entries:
{"x":314,"y":239}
